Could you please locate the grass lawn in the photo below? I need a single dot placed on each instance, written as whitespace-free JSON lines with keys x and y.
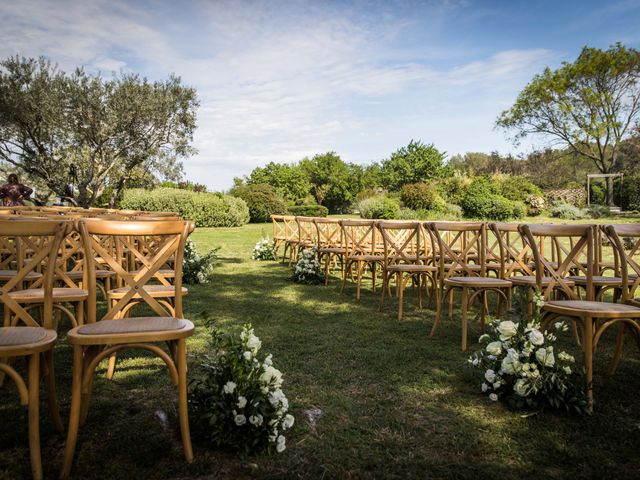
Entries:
{"x":394,"y":402}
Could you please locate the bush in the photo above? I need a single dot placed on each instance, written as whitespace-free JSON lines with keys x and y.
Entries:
{"x":520,"y":210}
{"x":481,"y":200}
{"x":535,"y":204}
{"x":599,"y":211}
{"x":262,"y":201}
{"x":307,"y":269}
{"x":309,"y":210}
{"x":422,"y":196}
{"x":195,"y":268}
{"x":629,"y":193}
{"x":598,"y":194}
{"x":566,"y":211}
{"x":516,"y":187}
{"x":454,"y":187}
{"x":410,"y":214}
{"x":380,"y":207}
{"x":235,"y":399}
{"x":263,"y":250}
{"x":205,"y":209}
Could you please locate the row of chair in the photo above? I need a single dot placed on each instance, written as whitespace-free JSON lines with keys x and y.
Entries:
{"x":50,"y":259}
{"x":574,"y":267}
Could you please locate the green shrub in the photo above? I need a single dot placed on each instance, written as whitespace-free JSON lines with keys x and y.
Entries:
{"x":516,"y":187}
{"x":520,"y":210}
{"x":500,"y":208}
{"x":380,"y":207}
{"x":598,"y":194}
{"x":409,"y":214}
{"x":481,"y":200}
{"x":566,"y":211}
{"x":205,"y":209}
{"x":629,"y":193}
{"x":453,"y":188}
{"x":599,"y":211}
{"x":262,"y":201}
{"x":422,"y":196}
{"x":309,"y":210}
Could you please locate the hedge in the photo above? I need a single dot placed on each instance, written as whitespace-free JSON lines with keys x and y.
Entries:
{"x":205,"y":209}
{"x":309,"y":210}
{"x":262,"y":201}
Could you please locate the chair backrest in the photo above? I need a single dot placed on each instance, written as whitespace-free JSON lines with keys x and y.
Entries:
{"x":306,"y":230}
{"x":361,"y":237}
{"x":328,"y":232}
{"x":279,"y":223}
{"x":460,"y":247}
{"x":514,"y":254}
{"x":573,"y":251}
{"x":36,"y":244}
{"x":151,"y":244}
{"x":625,"y":240}
{"x":402,"y":242}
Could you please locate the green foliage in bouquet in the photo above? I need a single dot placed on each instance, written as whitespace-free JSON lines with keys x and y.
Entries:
{"x":521,"y":365}
{"x":197,"y":268}
{"x":236,"y":399}
{"x":263,"y":250}
{"x":307,"y":269}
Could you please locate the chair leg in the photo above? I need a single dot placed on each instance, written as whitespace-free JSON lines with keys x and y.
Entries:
{"x":52,"y":396}
{"x":74,"y":415}
{"x":373,"y":277}
{"x":34,"y":415}
{"x":400,"y":288}
{"x":111,"y":369}
{"x":344,"y":276}
{"x":617,"y":354}
{"x":438,"y":310}
{"x":419,"y":284}
{"x":463,"y":315}
{"x":359,"y":267}
{"x":385,"y":281}
{"x":588,"y":358}
{"x":182,"y":400}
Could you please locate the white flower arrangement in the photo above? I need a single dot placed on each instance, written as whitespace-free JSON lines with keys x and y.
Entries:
{"x":197,"y":268}
{"x":307,"y":269}
{"x":520,"y":364}
{"x":237,"y":398}
{"x":263,"y":250}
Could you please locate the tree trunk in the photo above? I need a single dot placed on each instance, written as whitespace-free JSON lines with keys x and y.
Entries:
{"x":609,"y":197}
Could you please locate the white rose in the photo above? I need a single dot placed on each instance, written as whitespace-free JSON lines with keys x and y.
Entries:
{"x":510,"y":363}
{"x":242,"y":401}
{"x":288,"y":421}
{"x":494,"y":348}
{"x":565,"y":357}
{"x":280,"y":444}
{"x":521,"y":388}
{"x":254,"y":343}
{"x":484,"y":387}
{"x":271,"y":374}
{"x":490,"y":376}
{"x":240,"y":420}
{"x":247,"y":355}
{"x":545,"y":357}
{"x":507,"y":329}
{"x":493,"y":396}
{"x":567,"y":370}
{"x":268,"y":361}
{"x":229,"y":387}
{"x":536,"y":337}
{"x":256,"y":420}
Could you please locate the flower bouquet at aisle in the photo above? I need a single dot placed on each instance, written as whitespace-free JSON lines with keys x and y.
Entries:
{"x":236,"y":399}
{"x":521,"y":365}
{"x":307,"y":269}
{"x":263,"y":250}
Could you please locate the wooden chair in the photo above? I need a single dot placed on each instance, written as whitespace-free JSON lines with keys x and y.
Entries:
{"x":586,"y":313}
{"x":98,"y":340}
{"x":306,"y":235}
{"x":27,"y":336}
{"x":279,"y":234}
{"x":330,"y":244}
{"x":291,"y":238}
{"x":458,"y":273}
{"x":405,"y":258}
{"x":363,"y":249}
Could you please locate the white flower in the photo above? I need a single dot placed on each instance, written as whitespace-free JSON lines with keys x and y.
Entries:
{"x":567,"y":370}
{"x":507,"y":329}
{"x":247,"y":355}
{"x":264,"y":390}
{"x":494,"y":348}
{"x":240,"y":420}
{"x":493,"y":396}
{"x":475,"y":362}
{"x":256,"y":420}
{"x":280,"y":444}
{"x":521,"y":387}
{"x":545,"y":356}
{"x":484,"y":387}
{"x":510,"y":363}
{"x":229,"y":387}
{"x":536,"y":337}
{"x":565,"y":357}
{"x":253,"y":343}
{"x":483,"y":338}
{"x":273,"y":437}
{"x":288,"y":421}
{"x":271,"y":374}
{"x":242,"y":401}
{"x":268,"y":361}
{"x":490,"y":376}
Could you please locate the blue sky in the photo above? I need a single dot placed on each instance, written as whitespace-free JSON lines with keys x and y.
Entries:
{"x":282,"y":80}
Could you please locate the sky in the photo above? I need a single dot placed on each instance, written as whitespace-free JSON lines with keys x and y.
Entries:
{"x":281,"y":80}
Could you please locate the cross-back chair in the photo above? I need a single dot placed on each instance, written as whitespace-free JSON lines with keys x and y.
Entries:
{"x":291,"y":238}
{"x":457,"y":272}
{"x":330,"y":244}
{"x":406,"y":258}
{"x":363,"y":249}
{"x":279,"y":232}
{"x":98,"y":340}
{"x":25,"y":335}
{"x":306,"y":235}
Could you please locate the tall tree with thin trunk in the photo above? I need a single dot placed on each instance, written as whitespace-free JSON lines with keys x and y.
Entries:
{"x":589,"y":106}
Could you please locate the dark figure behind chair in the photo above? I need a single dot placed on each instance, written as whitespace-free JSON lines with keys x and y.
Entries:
{"x":14,"y":193}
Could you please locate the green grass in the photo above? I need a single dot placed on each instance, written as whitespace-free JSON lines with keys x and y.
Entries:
{"x":395,"y":402}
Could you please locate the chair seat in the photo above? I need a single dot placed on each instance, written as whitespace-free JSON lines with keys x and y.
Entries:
{"x":130,"y":330}
{"x":473,"y":267}
{"x":156,"y":291}
{"x":6,"y":275}
{"x":331,"y":250}
{"x":409,"y":267}
{"x":164,"y":272}
{"x":477,"y":282}
{"x":531,"y":280}
{"x":598,"y":280}
{"x":583,"y":308}
{"x":62,"y":294}
{"x":15,"y":340}
{"x":365,"y":258}
{"x":77,"y":275}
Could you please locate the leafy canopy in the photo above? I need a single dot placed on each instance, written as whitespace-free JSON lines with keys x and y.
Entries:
{"x":412,"y":164}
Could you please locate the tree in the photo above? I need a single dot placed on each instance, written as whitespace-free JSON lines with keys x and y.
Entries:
{"x":588,"y":106}
{"x":81,"y":134}
{"x":414,"y":163}
{"x":330,"y":180}
{"x":289,"y":181}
